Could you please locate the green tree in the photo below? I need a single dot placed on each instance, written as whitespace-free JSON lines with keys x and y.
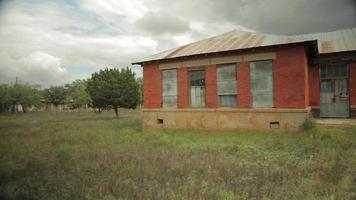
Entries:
{"x":77,"y":94}
{"x":4,"y":98}
{"x":140,"y":83}
{"x":114,"y":88}
{"x":56,"y":95}
{"x":24,"y":95}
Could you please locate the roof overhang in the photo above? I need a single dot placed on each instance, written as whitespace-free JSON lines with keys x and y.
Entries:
{"x":312,"y":49}
{"x":337,"y":57}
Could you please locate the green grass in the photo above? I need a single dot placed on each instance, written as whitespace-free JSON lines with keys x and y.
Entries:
{"x":97,"y":156}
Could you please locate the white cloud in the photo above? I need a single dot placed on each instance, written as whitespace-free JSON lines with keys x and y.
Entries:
{"x":40,"y":40}
{"x":35,"y":68}
{"x":29,"y":31}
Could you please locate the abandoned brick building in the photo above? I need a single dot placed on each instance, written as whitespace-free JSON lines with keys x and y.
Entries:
{"x":251,"y":80}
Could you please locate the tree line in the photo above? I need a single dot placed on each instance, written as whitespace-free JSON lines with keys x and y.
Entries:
{"x":105,"y":90}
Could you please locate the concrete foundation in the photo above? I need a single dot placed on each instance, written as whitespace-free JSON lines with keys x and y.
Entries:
{"x":220,"y":119}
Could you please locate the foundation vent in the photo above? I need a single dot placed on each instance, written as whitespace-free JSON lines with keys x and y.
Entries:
{"x":159,"y":121}
{"x":274,"y":125}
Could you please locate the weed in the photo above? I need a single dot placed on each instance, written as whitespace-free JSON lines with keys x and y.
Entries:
{"x":309,"y":124}
{"x":96,"y":156}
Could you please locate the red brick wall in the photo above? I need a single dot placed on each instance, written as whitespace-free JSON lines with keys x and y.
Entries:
{"x":211,"y":97}
{"x":314,"y":86}
{"x":243,"y":85}
{"x":183,"y":88}
{"x":306,"y":81}
{"x":152,"y":86}
{"x":353,"y":84}
{"x":290,"y":72}
{"x":291,"y":83}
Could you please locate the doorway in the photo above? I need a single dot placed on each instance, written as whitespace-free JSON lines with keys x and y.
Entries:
{"x":334,"y":91}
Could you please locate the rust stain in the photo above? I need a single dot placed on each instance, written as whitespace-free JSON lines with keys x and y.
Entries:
{"x":290,"y":40}
{"x":217,"y":42}
{"x":176,"y":51}
{"x":203,"y":46}
{"x":235,"y":40}
{"x":250,"y":41}
{"x":242,"y":40}
{"x":260,"y":40}
{"x":224,"y":45}
{"x":232,"y":43}
{"x":235,"y":43}
{"x":326,"y":47}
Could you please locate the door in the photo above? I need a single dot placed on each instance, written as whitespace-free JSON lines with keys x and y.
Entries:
{"x":334,"y":91}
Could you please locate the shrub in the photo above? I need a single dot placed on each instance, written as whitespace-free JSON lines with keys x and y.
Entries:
{"x":308,"y":124}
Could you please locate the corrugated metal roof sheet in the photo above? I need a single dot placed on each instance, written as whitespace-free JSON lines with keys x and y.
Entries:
{"x":328,"y":42}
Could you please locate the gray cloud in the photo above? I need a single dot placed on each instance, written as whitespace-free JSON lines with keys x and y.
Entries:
{"x":299,"y":16}
{"x":106,"y":33}
{"x":273,"y":16}
{"x":158,"y":23}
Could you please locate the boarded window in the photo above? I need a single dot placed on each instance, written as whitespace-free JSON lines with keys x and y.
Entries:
{"x":226,"y":81}
{"x":197,"y":88}
{"x":262,"y":84}
{"x":169,"y":88}
{"x":333,"y":71}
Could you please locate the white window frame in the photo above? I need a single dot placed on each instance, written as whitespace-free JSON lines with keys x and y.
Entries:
{"x":269,"y":80}
{"x":169,"y":92}
{"x":221,"y":82}
{"x":203,"y":102}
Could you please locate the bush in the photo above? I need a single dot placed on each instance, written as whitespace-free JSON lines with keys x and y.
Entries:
{"x":308,"y":124}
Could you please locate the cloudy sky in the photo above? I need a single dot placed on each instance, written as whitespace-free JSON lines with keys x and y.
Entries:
{"x":51,"y":42}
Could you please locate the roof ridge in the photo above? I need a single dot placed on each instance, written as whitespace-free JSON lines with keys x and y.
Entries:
{"x":286,"y":35}
{"x":234,"y":40}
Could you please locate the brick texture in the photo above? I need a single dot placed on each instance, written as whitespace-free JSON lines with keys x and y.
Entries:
{"x":291,"y":83}
{"x":290,"y":74}
{"x":314,"y":86}
{"x":183,"y":88}
{"x":243,"y":85}
{"x":353,"y":84}
{"x":211,"y":98}
{"x":152,"y":86}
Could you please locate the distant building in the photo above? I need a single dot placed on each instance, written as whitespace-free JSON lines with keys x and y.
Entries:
{"x":251,"y":80}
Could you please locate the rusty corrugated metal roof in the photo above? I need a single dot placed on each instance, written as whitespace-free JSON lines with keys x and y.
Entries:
{"x":328,"y":42}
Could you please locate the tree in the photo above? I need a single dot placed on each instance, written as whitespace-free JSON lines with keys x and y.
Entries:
{"x":4,"y":98}
{"x":140,"y":83}
{"x":114,"y":88}
{"x":19,"y":94}
{"x":56,"y":95}
{"x":77,"y":94}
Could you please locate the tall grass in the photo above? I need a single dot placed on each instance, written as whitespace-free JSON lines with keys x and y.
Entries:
{"x":97,"y":156}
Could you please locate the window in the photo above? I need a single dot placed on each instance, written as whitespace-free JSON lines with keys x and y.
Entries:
{"x":333,"y":71}
{"x":197,"y":88}
{"x":227,"y":92}
{"x":262,"y":84}
{"x":169,"y":88}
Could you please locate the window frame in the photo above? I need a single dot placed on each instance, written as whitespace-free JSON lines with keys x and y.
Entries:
{"x":176,"y":89}
{"x":272,"y":87}
{"x":195,"y":69}
{"x":236,"y":94}
{"x":323,"y":75}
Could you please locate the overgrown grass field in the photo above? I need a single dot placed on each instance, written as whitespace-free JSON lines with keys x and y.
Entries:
{"x":98,"y":156}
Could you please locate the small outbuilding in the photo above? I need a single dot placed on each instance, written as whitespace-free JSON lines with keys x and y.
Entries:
{"x":251,"y":80}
